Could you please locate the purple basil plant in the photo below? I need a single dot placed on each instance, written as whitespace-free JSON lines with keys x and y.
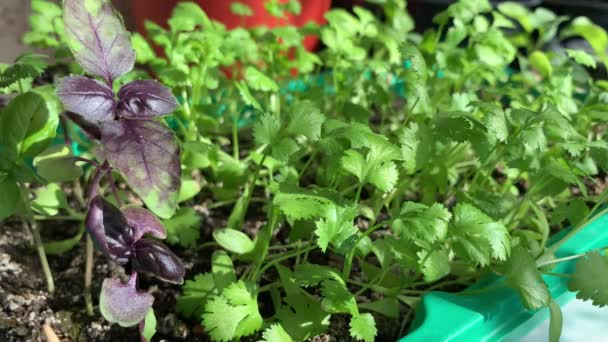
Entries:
{"x":143,"y":150}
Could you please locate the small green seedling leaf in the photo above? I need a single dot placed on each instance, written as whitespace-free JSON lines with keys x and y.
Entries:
{"x":56,"y":164}
{"x":233,"y":240}
{"x":149,"y":326}
{"x":541,"y":62}
{"x":49,"y":200}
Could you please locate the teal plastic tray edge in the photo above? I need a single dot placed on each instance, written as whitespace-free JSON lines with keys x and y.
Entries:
{"x":493,"y":315}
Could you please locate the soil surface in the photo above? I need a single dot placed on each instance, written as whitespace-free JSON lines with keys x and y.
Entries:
{"x":25,"y":304}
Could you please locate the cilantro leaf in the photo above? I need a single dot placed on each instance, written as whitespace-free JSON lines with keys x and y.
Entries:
{"x":477,"y":236}
{"x":581,"y":57}
{"x":232,"y":314}
{"x":590,"y":280}
{"x":363,"y":327}
{"x":301,"y":316}
{"x":26,"y":66}
{"x":436,"y":265}
{"x":183,"y":228}
{"x":195,"y":294}
{"x":336,"y":228}
{"x":276,"y":333}
{"x":299,"y":203}
{"x":418,"y":221}
{"x":409,"y":140}
{"x":306,"y":120}
{"x":521,"y":275}
{"x":258,"y":81}
{"x":377,"y":167}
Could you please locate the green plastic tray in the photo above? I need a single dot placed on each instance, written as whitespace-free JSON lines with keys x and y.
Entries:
{"x":497,"y":314}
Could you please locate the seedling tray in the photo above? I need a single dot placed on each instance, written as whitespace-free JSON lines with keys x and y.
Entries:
{"x":498,"y":313}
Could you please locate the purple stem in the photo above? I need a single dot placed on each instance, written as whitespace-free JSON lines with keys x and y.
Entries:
{"x":90,"y":128}
{"x":94,"y":185}
{"x":113,"y":187}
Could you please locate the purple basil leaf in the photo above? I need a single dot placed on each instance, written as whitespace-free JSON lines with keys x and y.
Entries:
{"x":98,"y":39}
{"x":87,"y":97}
{"x":147,"y":154}
{"x":121,"y":303}
{"x":92,"y":130}
{"x":153,"y":257}
{"x":109,"y":230}
{"x":144,"y":222}
{"x":145,"y":99}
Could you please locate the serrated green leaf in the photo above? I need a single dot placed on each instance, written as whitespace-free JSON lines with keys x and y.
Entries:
{"x":308,"y":274}
{"x":26,"y":66}
{"x":409,"y":140}
{"x":195,"y":294}
{"x":266,"y":130}
{"x":306,"y":119}
{"x":477,"y":236}
{"x":275,"y":333}
{"x":337,"y":298}
{"x":589,"y":279}
{"x":258,"y":81}
{"x":233,"y":314}
{"x":363,"y":327}
{"x":581,"y":57}
{"x":184,"y":227}
{"x":301,"y":316}
{"x":336,"y":228}
{"x":300,"y":204}
{"x":418,"y":221}
{"x":187,"y":16}
{"x":436,"y":265}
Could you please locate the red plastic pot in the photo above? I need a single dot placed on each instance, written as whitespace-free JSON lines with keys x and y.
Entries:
{"x":159,"y":11}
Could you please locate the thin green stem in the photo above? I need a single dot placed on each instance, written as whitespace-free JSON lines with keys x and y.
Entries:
{"x":274,"y":221}
{"x":559,"y":260}
{"x":37,"y":239}
{"x":235,"y":138}
{"x":308,"y":163}
{"x":348,"y":261}
{"x":559,"y":275}
{"x":59,"y":218}
{"x":283,"y":258}
{"x":88,"y":275}
{"x":358,"y":194}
